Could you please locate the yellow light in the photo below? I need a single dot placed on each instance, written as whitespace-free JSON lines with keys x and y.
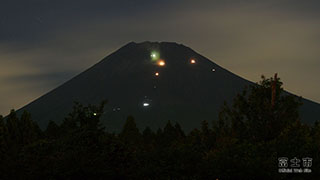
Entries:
{"x":193,"y":61}
{"x":161,"y":63}
{"x":157,"y":74}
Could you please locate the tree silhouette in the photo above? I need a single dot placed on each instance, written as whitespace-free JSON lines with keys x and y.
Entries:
{"x":130,"y":134}
{"x":253,"y":116}
{"x":29,"y":130}
{"x":52,"y":131}
{"x":14,"y":135}
{"x":148,"y":137}
{"x":3,"y":142}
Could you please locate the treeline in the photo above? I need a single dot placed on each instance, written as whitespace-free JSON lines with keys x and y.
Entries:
{"x":244,"y":143}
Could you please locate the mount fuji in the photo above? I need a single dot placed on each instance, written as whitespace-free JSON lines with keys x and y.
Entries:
{"x":154,"y":82}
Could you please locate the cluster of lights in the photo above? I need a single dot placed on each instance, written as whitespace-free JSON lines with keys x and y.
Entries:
{"x":160,"y":62}
{"x":156,"y":57}
{"x":116,"y":109}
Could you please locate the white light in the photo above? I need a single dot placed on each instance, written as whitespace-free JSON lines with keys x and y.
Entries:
{"x":146,"y":104}
{"x":154,"y":56}
{"x":94,"y":114}
{"x":213,"y":70}
{"x":193,"y":61}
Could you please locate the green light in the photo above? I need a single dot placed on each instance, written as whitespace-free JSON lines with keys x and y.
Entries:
{"x":154,"y":56}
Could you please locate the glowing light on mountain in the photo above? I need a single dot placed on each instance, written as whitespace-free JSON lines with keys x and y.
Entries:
{"x":154,"y":56}
{"x":193,"y":61}
{"x":161,"y":63}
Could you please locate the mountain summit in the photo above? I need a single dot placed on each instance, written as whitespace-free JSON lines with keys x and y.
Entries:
{"x":153,"y":82}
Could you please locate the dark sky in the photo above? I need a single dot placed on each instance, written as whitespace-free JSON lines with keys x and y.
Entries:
{"x":43,"y":43}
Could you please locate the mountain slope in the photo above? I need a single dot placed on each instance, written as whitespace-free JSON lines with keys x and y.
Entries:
{"x":184,"y":92}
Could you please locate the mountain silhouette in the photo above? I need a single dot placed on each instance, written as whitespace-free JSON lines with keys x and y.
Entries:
{"x":187,"y":88}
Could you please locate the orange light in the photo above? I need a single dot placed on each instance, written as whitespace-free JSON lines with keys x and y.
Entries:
{"x":161,"y":63}
{"x":193,"y":61}
{"x":157,"y":74}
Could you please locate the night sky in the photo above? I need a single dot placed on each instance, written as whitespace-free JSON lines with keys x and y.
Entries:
{"x":44,"y":43}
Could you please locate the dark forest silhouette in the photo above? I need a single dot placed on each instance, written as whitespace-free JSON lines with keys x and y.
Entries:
{"x":261,"y":125}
